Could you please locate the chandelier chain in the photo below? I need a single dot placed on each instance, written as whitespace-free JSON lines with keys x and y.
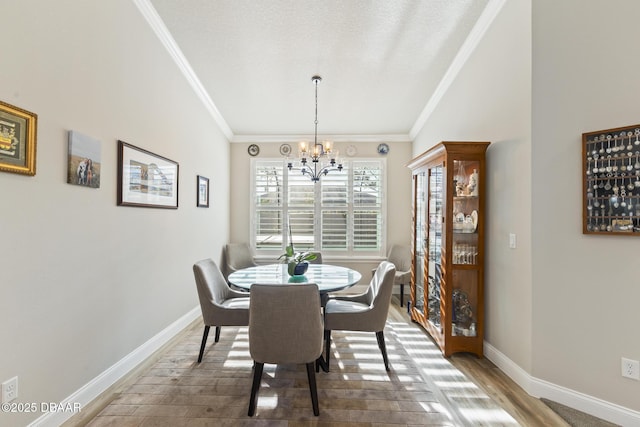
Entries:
{"x":318,"y":151}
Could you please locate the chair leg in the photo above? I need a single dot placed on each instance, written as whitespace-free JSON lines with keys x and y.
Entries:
{"x":383,"y":348}
{"x":311,"y":375}
{"x":204,"y":342}
{"x":257,"y":377}
{"x":217,"y":333}
{"x":401,"y":294}
{"x":327,"y":348}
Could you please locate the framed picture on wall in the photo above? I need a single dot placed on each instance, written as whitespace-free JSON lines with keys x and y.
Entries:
{"x":203,"y":192}
{"x":17,"y":140}
{"x":84,"y":160}
{"x":146,"y":179}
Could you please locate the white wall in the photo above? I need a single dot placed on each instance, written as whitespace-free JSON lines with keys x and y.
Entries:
{"x":586,"y":288}
{"x":84,"y":282}
{"x":490,"y":101}
{"x":398,"y":218}
{"x":562,"y":307}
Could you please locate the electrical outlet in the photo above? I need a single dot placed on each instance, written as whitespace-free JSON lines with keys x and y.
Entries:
{"x":10,"y":390}
{"x":631,"y":369}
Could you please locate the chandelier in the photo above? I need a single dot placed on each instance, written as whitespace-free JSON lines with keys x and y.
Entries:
{"x":319,"y":159}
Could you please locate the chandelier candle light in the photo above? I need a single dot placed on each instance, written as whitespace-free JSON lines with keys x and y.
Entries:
{"x":323,"y":158}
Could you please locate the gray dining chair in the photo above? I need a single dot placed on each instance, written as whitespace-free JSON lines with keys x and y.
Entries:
{"x":236,"y":256}
{"x":400,"y":257}
{"x":285,"y":327}
{"x":365,"y":312}
{"x":221,"y":305}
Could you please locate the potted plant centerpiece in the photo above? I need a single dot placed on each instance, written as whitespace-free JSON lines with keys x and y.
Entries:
{"x":297,"y":261}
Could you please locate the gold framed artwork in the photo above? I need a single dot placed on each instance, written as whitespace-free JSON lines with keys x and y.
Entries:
{"x":146,"y":179}
{"x":17,"y":140}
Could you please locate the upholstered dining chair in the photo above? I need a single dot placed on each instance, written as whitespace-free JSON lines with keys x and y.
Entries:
{"x":221,"y":305}
{"x":236,"y":256}
{"x":365,"y":312}
{"x":285,"y":327}
{"x":400,"y":257}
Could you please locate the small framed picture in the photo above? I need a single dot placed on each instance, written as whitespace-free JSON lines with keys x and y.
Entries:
{"x":203,"y":192}
{"x":383,"y":149}
{"x":84,"y":160}
{"x":253,"y":150}
{"x":146,"y":179}
{"x":17,"y":140}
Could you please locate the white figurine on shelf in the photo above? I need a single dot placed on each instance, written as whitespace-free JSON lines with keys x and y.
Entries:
{"x":473,"y":183}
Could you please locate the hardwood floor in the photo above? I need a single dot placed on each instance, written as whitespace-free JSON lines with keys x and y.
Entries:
{"x":488,"y":382}
{"x":423,"y":388}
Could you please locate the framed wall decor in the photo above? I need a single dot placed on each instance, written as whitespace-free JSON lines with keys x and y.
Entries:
{"x":84,"y":160}
{"x":146,"y":179}
{"x":17,"y":140}
{"x":383,"y":149}
{"x":253,"y":150}
{"x":285,"y":149}
{"x":611,"y":181}
{"x":203,"y":192}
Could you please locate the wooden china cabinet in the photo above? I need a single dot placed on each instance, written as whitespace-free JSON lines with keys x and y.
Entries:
{"x":447,"y":271}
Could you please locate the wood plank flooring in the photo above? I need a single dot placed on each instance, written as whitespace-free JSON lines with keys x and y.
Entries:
{"x":423,"y":388}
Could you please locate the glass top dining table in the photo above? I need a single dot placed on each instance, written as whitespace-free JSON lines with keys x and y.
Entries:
{"x":329,"y":278}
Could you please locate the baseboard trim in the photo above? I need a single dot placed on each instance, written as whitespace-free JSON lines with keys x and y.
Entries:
{"x":540,"y":388}
{"x":106,"y":379}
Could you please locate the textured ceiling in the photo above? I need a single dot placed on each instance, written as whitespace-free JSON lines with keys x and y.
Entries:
{"x":380,"y":61}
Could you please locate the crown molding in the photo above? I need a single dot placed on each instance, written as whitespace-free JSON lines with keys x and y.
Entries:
{"x":308,"y":137}
{"x":466,"y":50}
{"x":157,"y":25}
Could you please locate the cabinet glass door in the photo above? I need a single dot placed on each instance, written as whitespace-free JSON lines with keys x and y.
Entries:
{"x":465,"y":248}
{"x":420,"y":238}
{"x":465,"y":212}
{"x":434,"y":241}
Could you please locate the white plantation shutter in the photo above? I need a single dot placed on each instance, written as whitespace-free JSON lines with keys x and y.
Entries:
{"x":340,"y":215}
{"x":268,"y":203}
{"x":300,"y":212}
{"x":300,"y":191}
{"x":367,"y":205}
{"x":334,"y":206}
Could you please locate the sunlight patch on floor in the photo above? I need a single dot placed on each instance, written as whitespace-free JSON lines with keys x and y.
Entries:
{"x":371,"y":377}
{"x":431,"y":360}
{"x":269,"y":402}
{"x":467,"y":394}
{"x":452,"y":385}
{"x":235,"y":363}
{"x":442,"y":372}
{"x":472,"y":404}
{"x":367,"y":356}
{"x":433,"y":407}
{"x":482,"y":416}
{"x":243,"y":345}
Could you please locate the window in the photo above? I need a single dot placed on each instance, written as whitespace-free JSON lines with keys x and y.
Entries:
{"x":341,"y":215}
